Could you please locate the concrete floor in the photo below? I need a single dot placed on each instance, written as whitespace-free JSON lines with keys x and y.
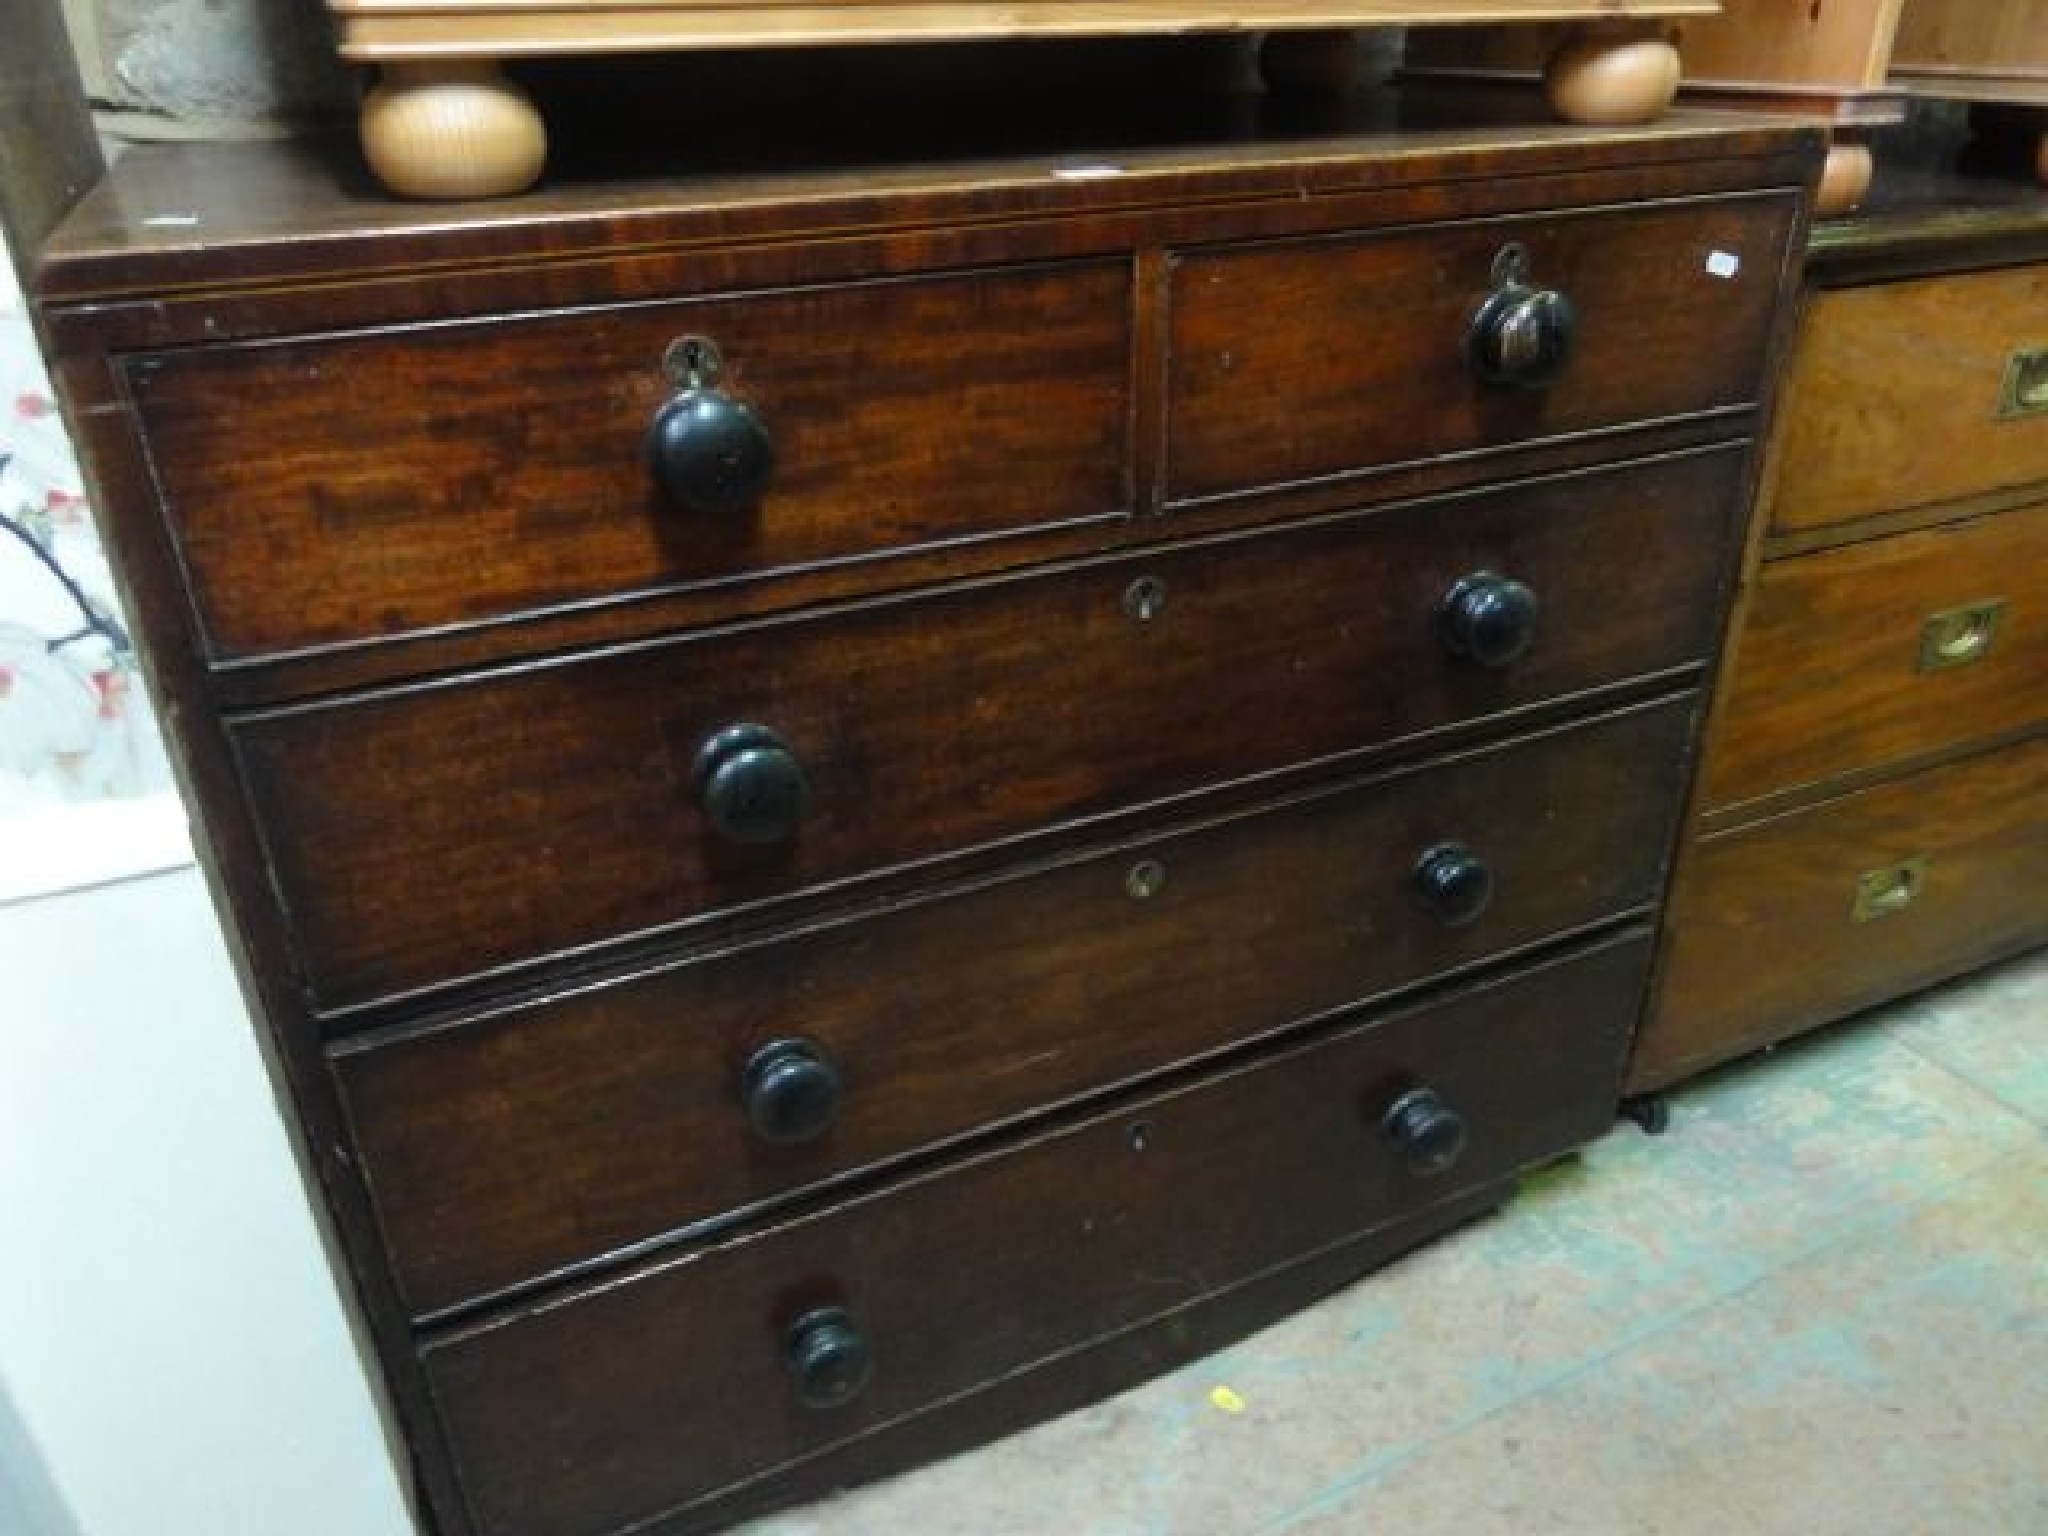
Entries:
{"x":1819,"y":1305}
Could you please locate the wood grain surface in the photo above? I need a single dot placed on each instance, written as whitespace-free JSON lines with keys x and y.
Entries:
{"x":444,"y":790}
{"x":1761,"y":942}
{"x":554,"y":1135}
{"x":1826,"y":679}
{"x":1297,"y":361}
{"x":1892,"y":397}
{"x":649,"y":1394}
{"x":431,"y":834}
{"x":377,"y":30}
{"x":488,"y":471}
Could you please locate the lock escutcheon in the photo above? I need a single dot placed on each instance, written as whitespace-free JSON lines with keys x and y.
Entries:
{"x":1888,"y":889}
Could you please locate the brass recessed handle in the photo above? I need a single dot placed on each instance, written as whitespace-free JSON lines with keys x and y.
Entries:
{"x":2025,"y":390}
{"x":1955,"y":637}
{"x":1887,"y":889}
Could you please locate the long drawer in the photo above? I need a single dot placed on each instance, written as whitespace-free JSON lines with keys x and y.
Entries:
{"x":533,"y":1139}
{"x":440,"y":831}
{"x":1806,"y":917}
{"x":1913,"y":394}
{"x":497,"y":468}
{"x":645,"y":1395}
{"x":1302,"y":360}
{"x":1882,"y":652}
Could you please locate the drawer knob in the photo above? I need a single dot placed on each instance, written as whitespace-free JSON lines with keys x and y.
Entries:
{"x":1487,"y":618}
{"x":1425,"y":1132}
{"x":1522,"y":335}
{"x":827,"y":1357}
{"x":711,"y":451}
{"x":751,"y":785}
{"x":791,"y":1091}
{"x":1454,"y":883}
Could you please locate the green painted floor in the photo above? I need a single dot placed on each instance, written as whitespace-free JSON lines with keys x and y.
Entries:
{"x":1818,"y":1305}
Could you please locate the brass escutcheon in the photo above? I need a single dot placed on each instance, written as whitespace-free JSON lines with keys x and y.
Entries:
{"x":693,"y":362}
{"x":1955,"y":637}
{"x":1147,"y":878}
{"x":1887,"y":889}
{"x":1145,"y":599}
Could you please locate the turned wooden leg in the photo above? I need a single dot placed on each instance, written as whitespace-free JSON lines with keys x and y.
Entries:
{"x":1612,"y":72}
{"x":453,"y":128}
{"x":1844,"y":179}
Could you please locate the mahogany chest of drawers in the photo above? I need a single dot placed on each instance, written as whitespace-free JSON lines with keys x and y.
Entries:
{"x":862,"y":805}
{"x":1872,"y":812}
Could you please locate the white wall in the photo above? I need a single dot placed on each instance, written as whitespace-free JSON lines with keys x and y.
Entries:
{"x":173,"y":1356}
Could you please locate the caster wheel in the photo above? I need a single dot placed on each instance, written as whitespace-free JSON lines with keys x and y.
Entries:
{"x":1652,"y":1112}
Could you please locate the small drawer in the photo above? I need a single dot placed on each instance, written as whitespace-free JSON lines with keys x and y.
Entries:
{"x":444,"y":830}
{"x":549,"y":1136}
{"x":1808,"y":917}
{"x":351,"y":487}
{"x":1883,"y":652}
{"x":1313,"y":359}
{"x":650,"y":1393}
{"x":1913,"y":394}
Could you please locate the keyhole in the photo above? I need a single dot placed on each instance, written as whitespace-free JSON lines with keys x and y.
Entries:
{"x":693,"y":362}
{"x":1147,"y":878}
{"x":1145,"y":599}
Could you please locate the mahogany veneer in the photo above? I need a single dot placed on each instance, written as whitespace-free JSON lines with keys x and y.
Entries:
{"x":1106,"y":771}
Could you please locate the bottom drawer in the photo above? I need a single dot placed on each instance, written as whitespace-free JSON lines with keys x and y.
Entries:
{"x":1780,"y":926}
{"x":652,"y":1394}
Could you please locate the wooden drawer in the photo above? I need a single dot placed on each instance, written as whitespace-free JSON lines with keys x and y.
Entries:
{"x":1318,"y":358}
{"x":1838,"y":668}
{"x":547,"y":1136}
{"x":1893,"y":399}
{"x":500,"y":468}
{"x":439,"y":831}
{"x":645,"y":1395}
{"x":1764,"y":937}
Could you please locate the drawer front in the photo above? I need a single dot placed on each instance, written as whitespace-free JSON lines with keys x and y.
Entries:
{"x":1319,"y":358}
{"x":635,"y":1398}
{"x":1883,"y":651}
{"x":1898,"y":396}
{"x":1808,"y":917}
{"x":351,"y":487}
{"x":548,"y":1136}
{"x":440,"y":831}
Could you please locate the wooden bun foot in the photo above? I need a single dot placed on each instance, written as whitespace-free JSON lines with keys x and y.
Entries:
{"x":452,"y":129}
{"x":1612,"y":73}
{"x":1844,"y":179}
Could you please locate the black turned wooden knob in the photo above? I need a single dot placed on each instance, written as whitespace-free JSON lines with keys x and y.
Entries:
{"x":1522,"y":336}
{"x":827,"y":1358}
{"x":790,"y":1090}
{"x":1425,"y":1132}
{"x":711,"y":451}
{"x":1454,"y":883}
{"x":1487,"y":618}
{"x":751,"y":785}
